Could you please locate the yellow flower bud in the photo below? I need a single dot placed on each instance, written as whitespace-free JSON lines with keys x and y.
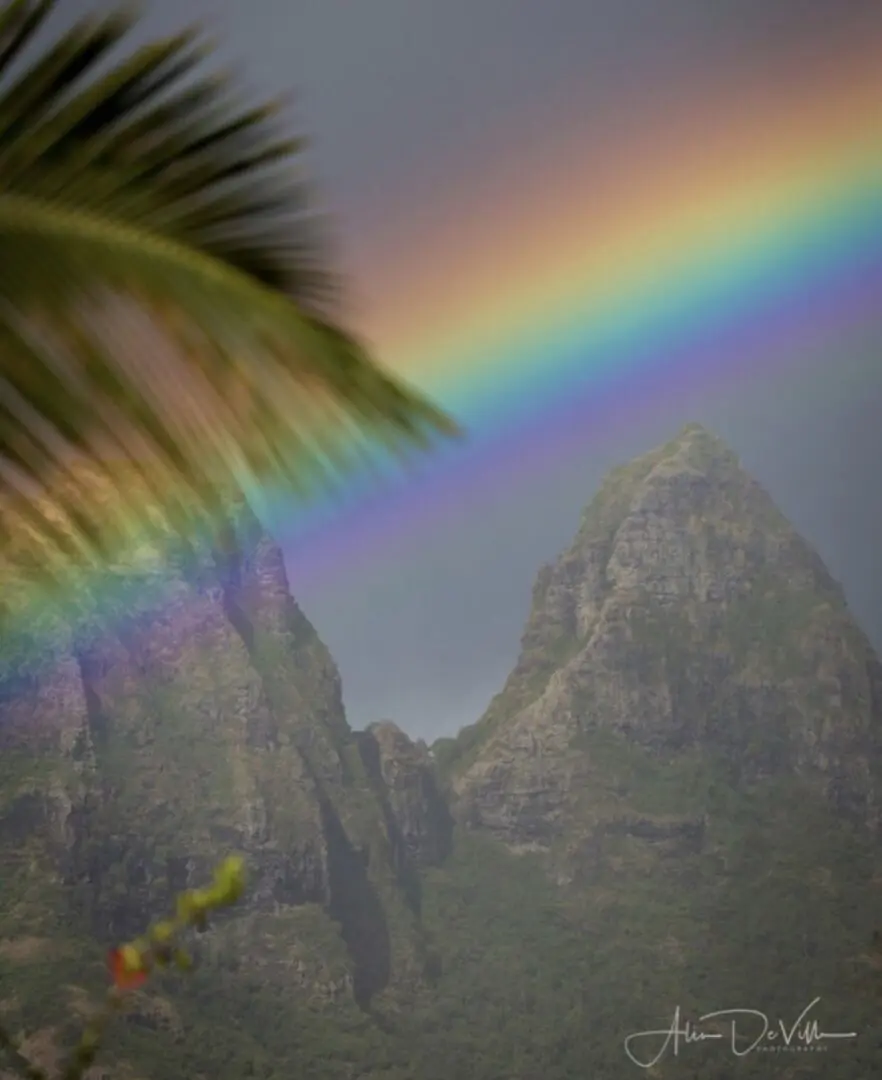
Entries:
{"x":230,"y":880}
{"x":162,"y":932}
{"x":89,"y":1039}
{"x":200,"y":901}
{"x":131,"y":958}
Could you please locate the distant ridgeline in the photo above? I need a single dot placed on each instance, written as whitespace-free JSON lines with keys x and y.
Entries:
{"x":672,"y":803}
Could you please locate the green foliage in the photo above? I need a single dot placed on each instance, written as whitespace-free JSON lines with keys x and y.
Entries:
{"x":771,"y":910}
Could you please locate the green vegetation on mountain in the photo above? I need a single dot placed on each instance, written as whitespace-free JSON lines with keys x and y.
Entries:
{"x":672,"y":803}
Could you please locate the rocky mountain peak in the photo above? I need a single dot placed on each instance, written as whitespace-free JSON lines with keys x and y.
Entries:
{"x":687,"y":616}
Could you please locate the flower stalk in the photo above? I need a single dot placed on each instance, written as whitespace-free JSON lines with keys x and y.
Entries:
{"x":132,"y":964}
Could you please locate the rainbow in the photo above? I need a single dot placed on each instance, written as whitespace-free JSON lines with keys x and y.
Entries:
{"x":721,"y":237}
{"x":727,"y":240}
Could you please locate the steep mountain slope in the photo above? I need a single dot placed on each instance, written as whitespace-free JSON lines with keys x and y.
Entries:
{"x":134,"y":760}
{"x":673,"y":802}
{"x":689,"y":744}
{"x":687,"y":616}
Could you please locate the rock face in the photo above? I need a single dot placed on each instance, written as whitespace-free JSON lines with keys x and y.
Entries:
{"x":687,"y":616}
{"x":417,"y":813}
{"x":214,"y":723}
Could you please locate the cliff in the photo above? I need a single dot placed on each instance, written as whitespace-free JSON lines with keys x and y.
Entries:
{"x":211,"y":722}
{"x":673,"y":802}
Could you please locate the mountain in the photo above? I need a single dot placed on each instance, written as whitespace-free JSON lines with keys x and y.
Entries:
{"x":689,"y":744}
{"x":686,"y":619}
{"x":135,"y":760}
{"x":672,"y":802}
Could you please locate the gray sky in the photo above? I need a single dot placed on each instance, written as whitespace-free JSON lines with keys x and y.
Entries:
{"x":401,"y":92}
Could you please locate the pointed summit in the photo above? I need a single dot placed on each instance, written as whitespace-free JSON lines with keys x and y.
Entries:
{"x":687,"y":617}
{"x":694,"y":430}
{"x":696,"y":440}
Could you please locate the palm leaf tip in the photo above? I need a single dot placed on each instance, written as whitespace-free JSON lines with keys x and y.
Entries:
{"x":155,"y":139}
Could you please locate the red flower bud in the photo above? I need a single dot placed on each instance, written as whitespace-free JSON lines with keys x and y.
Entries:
{"x":124,"y":976}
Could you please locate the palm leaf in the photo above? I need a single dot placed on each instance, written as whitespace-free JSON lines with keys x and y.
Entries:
{"x":167,"y":333}
{"x":176,"y":153}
